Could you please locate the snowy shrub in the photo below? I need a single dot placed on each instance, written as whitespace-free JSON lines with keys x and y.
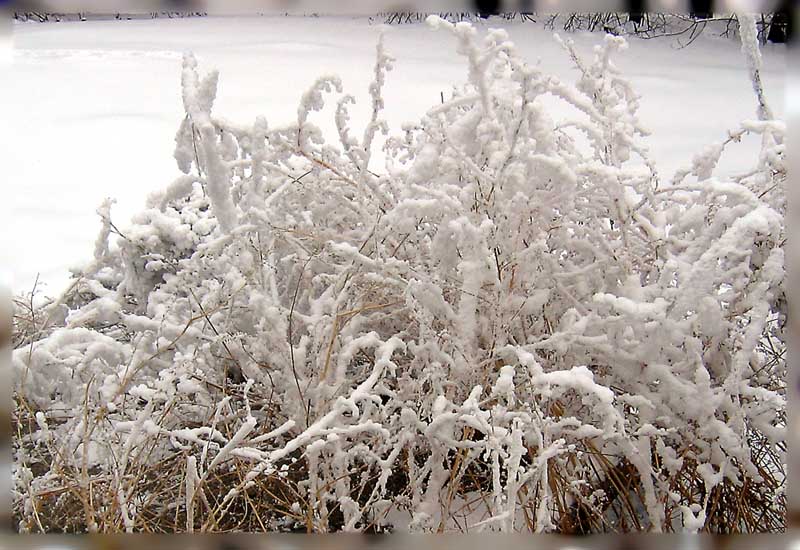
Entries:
{"x":516,"y":325}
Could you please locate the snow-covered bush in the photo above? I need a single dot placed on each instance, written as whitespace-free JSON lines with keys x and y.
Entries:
{"x":516,"y":324}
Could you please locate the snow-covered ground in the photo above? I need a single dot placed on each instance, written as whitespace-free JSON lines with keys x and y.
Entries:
{"x":94,"y":106}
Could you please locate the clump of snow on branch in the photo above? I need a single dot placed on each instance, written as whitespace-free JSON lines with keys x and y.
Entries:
{"x":508,"y":317}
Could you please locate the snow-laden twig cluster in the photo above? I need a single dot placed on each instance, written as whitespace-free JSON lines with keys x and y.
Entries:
{"x":514,"y":325}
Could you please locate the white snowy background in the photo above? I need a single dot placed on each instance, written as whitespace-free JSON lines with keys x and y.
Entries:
{"x":92,"y":107}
